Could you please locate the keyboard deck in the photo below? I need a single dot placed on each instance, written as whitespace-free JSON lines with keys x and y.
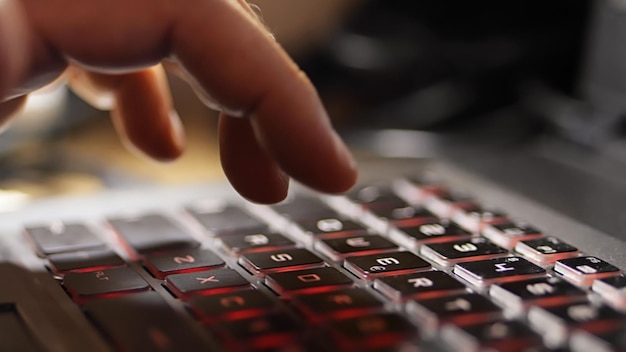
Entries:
{"x":401,"y":263}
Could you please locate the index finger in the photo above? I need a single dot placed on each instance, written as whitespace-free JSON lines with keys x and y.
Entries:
{"x":229,"y":54}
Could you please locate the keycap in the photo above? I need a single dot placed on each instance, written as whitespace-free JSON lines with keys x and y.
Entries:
{"x":557,"y":322}
{"x":546,"y":249}
{"x":583,"y":270}
{"x":338,"y":248}
{"x":449,"y":253}
{"x":84,"y":261}
{"x":337,"y":304}
{"x":372,"y":266}
{"x":508,"y":234}
{"x":205,"y":282}
{"x":612,"y":289}
{"x":401,"y":213}
{"x":476,"y":219}
{"x":483,"y":273}
{"x":151,"y":233}
{"x":267,"y":332}
{"x":254,"y":242}
{"x":372,"y":332}
{"x":302,"y":208}
{"x":104,"y":283}
{"x":431,"y":232}
{"x":463,"y":309}
{"x":610,"y":341}
{"x":241,"y":304}
{"x":261,"y":263}
{"x":370,"y":194}
{"x":545,"y":291}
{"x":307,"y":281}
{"x":444,"y":205}
{"x":510,"y":336}
{"x":329,"y":228}
{"x":181,"y":261}
{"x":144,"y":322}
{"x":59,"y":237}
{"x":423,"y":285}
{"x":220,"y":218}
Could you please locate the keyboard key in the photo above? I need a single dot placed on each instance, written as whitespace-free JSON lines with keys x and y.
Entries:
{"x":151,"y":233}
{"x":205,"y":282}
{"x":303,"y":208}
{"x":59,"y":237}
{"x":330,"y":228}
{"x":612,"y":289}
{"x":510,"y":336}
{"x":610,"y":341}
{"x":464,"y":309}
{"x":431,"y":232}
{"x":339,"y":304}
{"x":338,"y":248}
{"x":486,"y":272}
{"x":144,"y":322}
{"x":429,"y":284}
{"x":583,"y":270}
{"x":307,"y":281}
{"x":17,"y":336}
{"x":374,"y":194}
{"x":372,"y":266}
{"x":254,"y":242}
{"x":546,"y":291}
{"x":546,"y":249}
{"x":476,"y":219}
{"x":508,"y":234}
{"x":181,"y":261}
{"x":402,"y":214}
{"x":241,"y":304}
{"x":267,"y":332}
{"x":372,"y":332}
{"x":444,"y":205}
{"x":85,"y":261}
{"x":220,"y":218}
{"x":557,"y":322}
{"x":261,"y":263}
{"x":449,"y":253}
{"x":105,"y":283}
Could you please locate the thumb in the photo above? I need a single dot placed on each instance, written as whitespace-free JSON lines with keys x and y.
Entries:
{"x":14,"y":35}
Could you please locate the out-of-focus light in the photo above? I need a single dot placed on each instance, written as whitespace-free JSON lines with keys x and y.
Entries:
{"x":12,"y":200}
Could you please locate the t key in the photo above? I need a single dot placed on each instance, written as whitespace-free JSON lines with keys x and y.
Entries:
{"x":485,"y":272}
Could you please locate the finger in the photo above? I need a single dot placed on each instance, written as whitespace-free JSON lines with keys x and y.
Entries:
{"x":228,"y":52}
{"x":141,"y":106}
{"x":241,"y":156}
{"x":9,"y":109}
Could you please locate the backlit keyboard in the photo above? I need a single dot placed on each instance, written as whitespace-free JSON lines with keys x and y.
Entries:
{"x":401,"y":264}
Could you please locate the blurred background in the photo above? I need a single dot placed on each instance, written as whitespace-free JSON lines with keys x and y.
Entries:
{"x":490,"y":72}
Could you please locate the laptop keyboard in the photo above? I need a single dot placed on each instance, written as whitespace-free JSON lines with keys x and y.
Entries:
{"x":390,"y":266}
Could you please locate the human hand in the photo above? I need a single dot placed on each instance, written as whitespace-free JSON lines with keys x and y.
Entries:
{"x":272,"y":123}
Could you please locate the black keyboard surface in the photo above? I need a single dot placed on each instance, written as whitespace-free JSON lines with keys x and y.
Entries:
{"x":392,"y":266}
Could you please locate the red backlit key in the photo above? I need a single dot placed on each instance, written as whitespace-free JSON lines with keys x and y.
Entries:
{"x":583,"y":270}
{"x":429,"y":284}
{"x":449,"y":253}
{"x":545,"y":291}
{"x":339,"y":304}
{"x":485,"y":272}
{"x":464,"y":309}
{"x":307,"y":281}
{"x":59,"y":237}
{"x":510,"y":336}
{"x":372,"y":266}
{"x":254,"y":242}
{"x":261,"y":263}
{"x":431,"y":232}
{"x":545,"y":249}
{"x":232,"y":305}
{"x":372,"y":332}
{"x":151,"y":233}
{"x":84,"y":261}
{"x":205,"y":282}
{"x":144,"y":322}
{"x":163,"y":264}
{"x":508,"y":234}
{"x":261,"y":333}
{"x":105,"y":283}
{"x":339,"y":248}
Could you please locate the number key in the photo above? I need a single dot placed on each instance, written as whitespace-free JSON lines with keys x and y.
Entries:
{"x":449,"y":253}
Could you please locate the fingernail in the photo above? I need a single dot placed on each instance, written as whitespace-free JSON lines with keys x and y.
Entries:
{"x":178,"y":132}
